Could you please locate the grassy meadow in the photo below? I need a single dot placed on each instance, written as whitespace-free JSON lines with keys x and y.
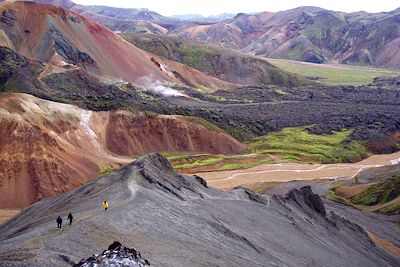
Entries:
{"x":334,"y":74}
{"x":287,"y":145}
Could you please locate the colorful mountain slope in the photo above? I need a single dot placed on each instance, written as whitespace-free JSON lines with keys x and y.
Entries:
{"x":309,"y":34}
{"x":60,"y":37}
{"x":48,"y":148}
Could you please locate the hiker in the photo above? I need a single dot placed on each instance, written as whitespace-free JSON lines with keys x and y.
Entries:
{"x":105,"y":205}
{"x":70,"y":218}
{"x":59,"y":222}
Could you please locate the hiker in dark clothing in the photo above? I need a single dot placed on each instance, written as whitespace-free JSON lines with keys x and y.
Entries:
{"x":59,"y":222}
{"x":70,"y":218}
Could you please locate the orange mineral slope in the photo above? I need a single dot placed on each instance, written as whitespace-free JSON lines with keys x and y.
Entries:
{"x":47,"y":148}
{"x":61,"y":37}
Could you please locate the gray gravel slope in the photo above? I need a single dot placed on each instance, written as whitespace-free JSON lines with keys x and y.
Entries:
{"x":176,"y":220}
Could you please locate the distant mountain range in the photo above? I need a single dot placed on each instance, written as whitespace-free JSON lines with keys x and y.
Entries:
{"x":114,"y":17}
{"x":308,"y":34}
{"x":201,"y":18}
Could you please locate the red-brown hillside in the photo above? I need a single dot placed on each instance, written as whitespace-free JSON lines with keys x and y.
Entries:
{"x":62,"y":37}
{"x":47,"y":148}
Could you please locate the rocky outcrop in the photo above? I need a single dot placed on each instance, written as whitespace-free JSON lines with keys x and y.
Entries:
{"x":10,"y":62}
{"x":306,"y":199}
{"x":115,"y":255}
{"x":157,"y":172}
{"x":70,"y":53}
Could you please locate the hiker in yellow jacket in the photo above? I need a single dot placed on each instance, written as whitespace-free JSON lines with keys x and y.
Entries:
{"x":105,"y":205}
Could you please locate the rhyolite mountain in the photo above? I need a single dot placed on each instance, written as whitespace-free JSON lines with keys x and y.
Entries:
{"x":184,"y":118}
{"x":93,"y":102}
{"x":177,"y":220}
{"x":65,"y":40}
{"x":100,"y":52}
{"x":309,"y":34}
{"x":48,"y":148}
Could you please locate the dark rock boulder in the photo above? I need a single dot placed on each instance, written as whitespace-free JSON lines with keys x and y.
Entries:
{"x":305,"y":198}
{"x":115,"y":255}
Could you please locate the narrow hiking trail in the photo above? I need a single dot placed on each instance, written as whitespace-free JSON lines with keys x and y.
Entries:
{"x":286,"y":172}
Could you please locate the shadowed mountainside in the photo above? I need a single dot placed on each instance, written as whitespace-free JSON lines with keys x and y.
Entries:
{"x":177,"y":220}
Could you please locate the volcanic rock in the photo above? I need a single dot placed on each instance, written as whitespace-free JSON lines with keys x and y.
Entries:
{"x":115,"y":255}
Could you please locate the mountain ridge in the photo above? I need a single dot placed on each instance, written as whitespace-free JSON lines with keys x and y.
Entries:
{"x":158,"y":211}
{"x":307,"y":33}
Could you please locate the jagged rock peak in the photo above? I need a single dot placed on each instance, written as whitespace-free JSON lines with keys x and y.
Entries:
{"x":156,"y":170}
{"x":115,"y":255}
{"x":305,"y":198}
{"x":155,"y":160}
